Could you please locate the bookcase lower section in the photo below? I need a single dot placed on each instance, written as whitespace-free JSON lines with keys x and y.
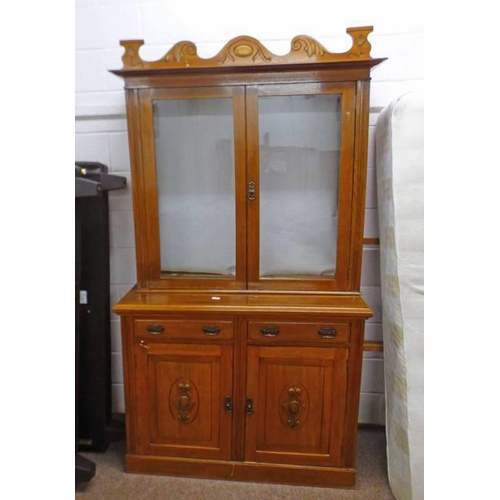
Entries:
{"x":253,"y":388}
{"x":327,"y":477}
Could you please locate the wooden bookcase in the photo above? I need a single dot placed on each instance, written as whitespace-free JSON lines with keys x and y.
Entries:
{"x":242,"y":340}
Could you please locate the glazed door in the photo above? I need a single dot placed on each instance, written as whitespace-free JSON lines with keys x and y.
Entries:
{"x":193,"y":153}
{"x":296,"y":400}
{"x":184,"y":399}
{"x":300,"y":152}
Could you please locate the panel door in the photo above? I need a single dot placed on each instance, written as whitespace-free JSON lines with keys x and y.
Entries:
{"x":182,"y":404}
{"x":297,"y":407}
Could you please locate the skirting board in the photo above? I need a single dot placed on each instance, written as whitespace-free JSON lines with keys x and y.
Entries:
{"x":326,"y":477}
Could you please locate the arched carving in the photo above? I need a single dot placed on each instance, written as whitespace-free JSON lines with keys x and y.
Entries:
{"x":244,"y":49}
{"x":247,"y":51}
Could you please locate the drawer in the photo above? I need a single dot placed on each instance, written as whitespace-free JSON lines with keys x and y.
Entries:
{"x":178,"y":329}
{"x":299,"y":332}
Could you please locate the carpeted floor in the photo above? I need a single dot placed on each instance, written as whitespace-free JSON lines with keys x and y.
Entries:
{"x":112,"y":483}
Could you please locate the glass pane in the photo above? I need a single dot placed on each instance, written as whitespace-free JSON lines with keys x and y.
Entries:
{"x":299,"y":168}
{"x":196,"y":193}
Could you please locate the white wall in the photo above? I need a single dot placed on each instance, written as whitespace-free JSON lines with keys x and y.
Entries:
{"x":100,"y":107}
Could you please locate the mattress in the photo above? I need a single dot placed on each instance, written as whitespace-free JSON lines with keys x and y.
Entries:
{"x":399,"y":157}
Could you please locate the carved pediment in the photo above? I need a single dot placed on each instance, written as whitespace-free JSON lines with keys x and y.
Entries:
{"x":247,"y":51}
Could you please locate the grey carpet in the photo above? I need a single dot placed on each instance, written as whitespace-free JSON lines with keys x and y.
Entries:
{"x":112,"y":483}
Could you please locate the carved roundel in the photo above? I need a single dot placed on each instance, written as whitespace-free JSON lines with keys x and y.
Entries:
{"x":184,"y":401}
{"x":247,"y":51}
{"x":294,"y":406}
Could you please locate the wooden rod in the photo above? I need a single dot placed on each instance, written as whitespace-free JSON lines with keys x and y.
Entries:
{"x":373,"y":345}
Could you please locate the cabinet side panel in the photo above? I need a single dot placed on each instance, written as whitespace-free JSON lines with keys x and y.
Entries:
{"x":353,"y":391}
{"x":135,"y":146}
{"x":128,"y":377}
{"x":359,"y":182}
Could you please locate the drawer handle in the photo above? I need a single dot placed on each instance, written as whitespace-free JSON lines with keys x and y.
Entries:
{"x":155,"y":329}
{"x":327,"y":333}
{"x":211,"y":330}
{"x":270,"y":331}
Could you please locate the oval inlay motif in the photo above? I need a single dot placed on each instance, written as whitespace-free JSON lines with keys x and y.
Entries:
{"x":303,"y":49}
{"x":184,"y":401}
{"x":243,"y":50}
{"x":294,"y":406}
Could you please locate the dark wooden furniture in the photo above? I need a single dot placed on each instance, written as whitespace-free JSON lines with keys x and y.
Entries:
{"x":243,"y":338}
{"x":94,"y":424}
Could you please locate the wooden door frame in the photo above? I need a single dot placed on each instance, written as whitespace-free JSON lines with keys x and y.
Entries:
{"x":149,"y":229}
{"x":347,"y":147}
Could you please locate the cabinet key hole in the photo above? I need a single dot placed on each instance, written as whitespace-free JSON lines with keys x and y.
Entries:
{"x":249,"y":406}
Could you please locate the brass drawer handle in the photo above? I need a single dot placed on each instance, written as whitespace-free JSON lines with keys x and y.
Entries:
{"x":270,"y":331}
{"x":327,"y":333}
{"x":211,"y":330}
{"x":155,"y":329}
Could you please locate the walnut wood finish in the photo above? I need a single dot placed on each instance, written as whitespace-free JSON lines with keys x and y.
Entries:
{"x":341,"y":305}
{"x":243,"y":471}
{"x":320,"y":333}
{"x":138,"y":188}
{"x":341,"y":364}
{"x":299,"y":405}
{"x":308,"y":69}
{"x":360,"y":172}
{"x":170,"y":329}
{"x":374,"y":346}
{"x":245,"y":105}
{"x":371,"y":241}
{"x":155,"y":278}
{"x":312,"y":283}
{"x":245,"y":51}
{"x":241,"y":377}
{"x":181,"y":391}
